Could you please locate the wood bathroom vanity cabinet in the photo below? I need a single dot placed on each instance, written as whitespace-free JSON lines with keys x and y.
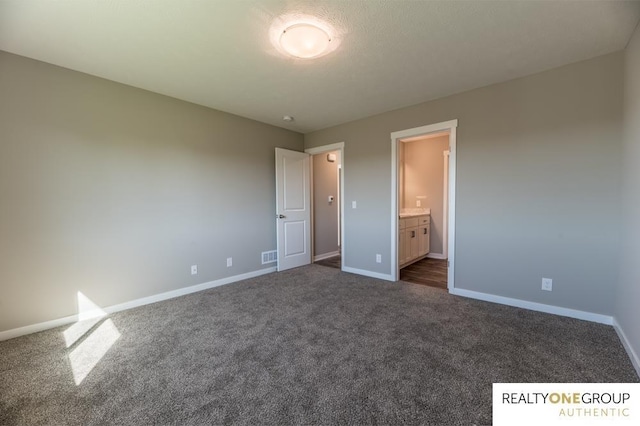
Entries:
{"x":414,"y":232}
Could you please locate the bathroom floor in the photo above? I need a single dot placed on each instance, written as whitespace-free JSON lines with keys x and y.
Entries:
{"x":431,"y":272}
{"x":332,"y":262}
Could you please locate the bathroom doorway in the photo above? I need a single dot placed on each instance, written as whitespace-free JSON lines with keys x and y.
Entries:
{"x":423,"y":204}
{"x":422,"y":192}
{"x":327,"y":206}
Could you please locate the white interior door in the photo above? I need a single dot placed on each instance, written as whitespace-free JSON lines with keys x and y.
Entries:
{"x":293,"y":208}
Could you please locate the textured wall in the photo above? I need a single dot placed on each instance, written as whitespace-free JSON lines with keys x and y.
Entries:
{"x":424,"y":176}
{"x":538,"y":184}
{"x":627,"y":312}
{"x":115,"y":191}
{"x":325,"y":214}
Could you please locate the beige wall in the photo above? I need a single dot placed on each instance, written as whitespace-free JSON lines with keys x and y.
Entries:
{"x":424,"y":176}
{"x":538,"y":184}
{"x":628,"y":297}
{"x":115,"y":192}
{"x":325,"y":214}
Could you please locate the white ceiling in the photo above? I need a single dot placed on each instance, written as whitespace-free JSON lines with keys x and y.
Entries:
{"x":391,"y":54}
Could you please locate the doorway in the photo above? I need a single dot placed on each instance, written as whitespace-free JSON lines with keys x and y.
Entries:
{"x":327,"y":211}
{"x":422,"y":189}
{"x":425,"y":194}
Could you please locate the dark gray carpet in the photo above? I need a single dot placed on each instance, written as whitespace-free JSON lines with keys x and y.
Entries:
{"x":309,"y":346}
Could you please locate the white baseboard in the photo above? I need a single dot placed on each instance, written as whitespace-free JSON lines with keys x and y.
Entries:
{"x":540,"y":307}
{"x":627,"y":346}
{"x":326,"y":256}
{"x":386,"y":277}
{"x":34,"y":328}
{"x":436,"y":256}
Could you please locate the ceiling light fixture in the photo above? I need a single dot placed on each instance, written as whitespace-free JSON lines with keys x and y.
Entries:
{"x":287,"y":118}
{"x":305,"y":41}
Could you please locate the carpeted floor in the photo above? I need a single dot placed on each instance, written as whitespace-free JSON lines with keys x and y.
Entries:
{"x":312,"y":345}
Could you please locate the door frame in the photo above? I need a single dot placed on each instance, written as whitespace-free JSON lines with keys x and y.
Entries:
{"x":445,"y":126}
{"x":445,"y":203}
{"x":339,"y":146}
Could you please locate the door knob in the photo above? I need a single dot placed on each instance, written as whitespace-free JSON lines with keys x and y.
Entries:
{"x":280,"y":216}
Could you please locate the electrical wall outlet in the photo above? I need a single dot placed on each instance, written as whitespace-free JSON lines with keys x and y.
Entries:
{"x":194,"y":269}
{"x":547,"y":284}
{"x":418,"y":203}
{"x":378,"y":258}
{"x":229,"y":261}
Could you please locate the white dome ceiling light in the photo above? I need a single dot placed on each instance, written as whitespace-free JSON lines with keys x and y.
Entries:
{"x":303,"y":36}
{"x":305,"y":40}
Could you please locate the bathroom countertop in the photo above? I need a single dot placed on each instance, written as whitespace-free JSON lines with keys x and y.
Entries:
{"x":414,"y":212}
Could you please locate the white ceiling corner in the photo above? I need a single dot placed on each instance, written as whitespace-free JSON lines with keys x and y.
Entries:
{"x":391,"y":54}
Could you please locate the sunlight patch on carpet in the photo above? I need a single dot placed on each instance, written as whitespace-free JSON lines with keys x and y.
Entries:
{"x":96,"y":343}
{"x":89,"y":353}
{"x":89,"y":314}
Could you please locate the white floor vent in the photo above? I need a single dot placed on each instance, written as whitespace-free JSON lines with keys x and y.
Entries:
{"x":269,"y":256}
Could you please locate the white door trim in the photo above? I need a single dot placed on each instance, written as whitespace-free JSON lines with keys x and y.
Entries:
{"x":325,"y":148}
{"x":445,"y":206}
{"x":449,"y":126}
{"x":319,"y":150}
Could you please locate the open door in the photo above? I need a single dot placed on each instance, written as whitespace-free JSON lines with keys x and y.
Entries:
{"x":293,"y":209}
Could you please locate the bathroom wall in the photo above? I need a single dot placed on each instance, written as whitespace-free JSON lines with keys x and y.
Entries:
{"x":424,"y":176}
{"x":325,"y":214}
